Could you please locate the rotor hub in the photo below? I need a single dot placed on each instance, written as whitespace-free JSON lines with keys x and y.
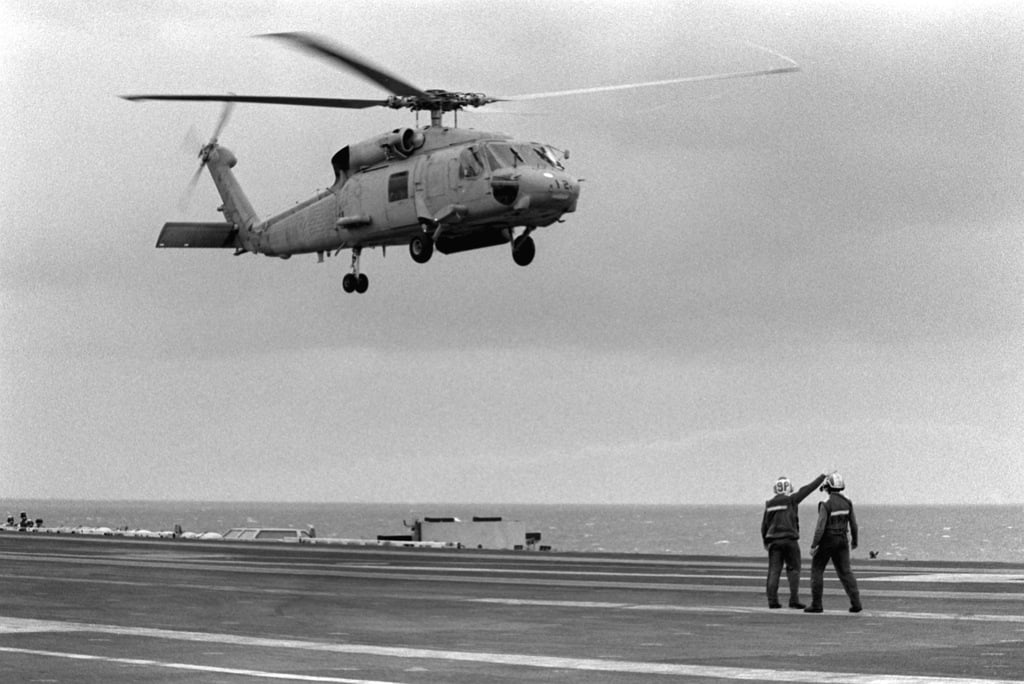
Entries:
{"x":439,"y":101}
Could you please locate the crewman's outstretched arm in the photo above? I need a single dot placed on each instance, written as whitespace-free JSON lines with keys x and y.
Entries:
{"x":804,"y":491}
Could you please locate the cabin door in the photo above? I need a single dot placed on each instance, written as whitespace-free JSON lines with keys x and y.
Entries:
{"x":401,"y":210}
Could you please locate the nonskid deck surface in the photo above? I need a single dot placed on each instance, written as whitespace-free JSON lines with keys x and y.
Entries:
{"x":103,"y":610}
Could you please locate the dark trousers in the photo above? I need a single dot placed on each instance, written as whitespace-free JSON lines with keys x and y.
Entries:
{"x":836,"y":549}
{"x":784,"y":552}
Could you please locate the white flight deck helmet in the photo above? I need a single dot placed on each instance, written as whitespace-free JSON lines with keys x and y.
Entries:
{"x":783,"y":485}
{"x":834,"y":482}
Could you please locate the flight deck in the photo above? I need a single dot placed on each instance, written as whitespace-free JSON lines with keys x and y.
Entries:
{"x":96,"y":609}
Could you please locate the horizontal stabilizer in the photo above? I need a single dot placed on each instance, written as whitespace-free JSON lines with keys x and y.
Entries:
{"x":218,"y":235}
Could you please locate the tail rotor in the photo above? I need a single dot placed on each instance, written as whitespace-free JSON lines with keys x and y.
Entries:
{"x":192,"y":139}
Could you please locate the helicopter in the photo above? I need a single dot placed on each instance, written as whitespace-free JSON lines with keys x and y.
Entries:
{"x":432,"y":188}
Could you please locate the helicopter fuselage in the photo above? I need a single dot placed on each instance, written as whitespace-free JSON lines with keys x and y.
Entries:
{"x":453,"y":188}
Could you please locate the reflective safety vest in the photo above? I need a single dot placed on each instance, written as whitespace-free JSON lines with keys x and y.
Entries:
{"x":781,"y":520}
{"x":839,"y":509}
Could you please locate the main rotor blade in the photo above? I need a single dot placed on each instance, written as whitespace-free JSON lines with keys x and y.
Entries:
{"x":648,"y":84}
{"x":333,"y":53}
{"x":338,"y":103}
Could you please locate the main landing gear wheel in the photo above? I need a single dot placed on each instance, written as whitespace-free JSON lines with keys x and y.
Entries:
{"x":523,"y":250}
{"x":421,"y":248}
{"x":355,"y":283}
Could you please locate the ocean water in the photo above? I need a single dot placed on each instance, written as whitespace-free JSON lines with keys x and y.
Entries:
{"x":934,"y":533}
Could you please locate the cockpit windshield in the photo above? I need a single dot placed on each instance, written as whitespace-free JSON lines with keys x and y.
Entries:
{"x":505,"y":155}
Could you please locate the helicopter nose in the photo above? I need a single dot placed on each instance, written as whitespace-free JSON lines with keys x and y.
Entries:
{"x":562,"y":189}
{"x":538,"y":190}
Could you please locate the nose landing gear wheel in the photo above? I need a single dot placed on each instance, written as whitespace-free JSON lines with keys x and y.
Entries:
{"x":523,"y":250}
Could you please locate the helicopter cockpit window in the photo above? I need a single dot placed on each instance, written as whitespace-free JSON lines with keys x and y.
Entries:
{"x":470,"y":164}
{"x":499,"y":155}
{"x":547,"y":155}
{"x":398,"y":186}
{"x":519,"y":154}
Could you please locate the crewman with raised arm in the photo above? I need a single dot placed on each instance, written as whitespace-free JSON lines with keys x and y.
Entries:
{"x":780,"y":530}
{"x":830,"y":543}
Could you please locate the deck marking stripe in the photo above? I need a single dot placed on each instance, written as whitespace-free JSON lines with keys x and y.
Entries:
{"x":743,"y":610}
{"x":230,"y":559}
{"x":573,"y":573}
{"x":506,"y":659}
{"x":193,"y":668}
{"x":356,"y":569}
{"x":956,"y":578}
{"x":1000,"y":596}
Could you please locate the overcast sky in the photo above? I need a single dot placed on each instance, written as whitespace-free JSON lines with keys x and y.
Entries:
{"x":782,"y":275}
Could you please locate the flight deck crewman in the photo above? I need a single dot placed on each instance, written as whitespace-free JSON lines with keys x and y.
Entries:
{"x":830,"y":544}
{"x":780,"y":530}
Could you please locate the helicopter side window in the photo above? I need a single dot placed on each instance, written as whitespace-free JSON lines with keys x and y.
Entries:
{"x":470,"y":164}
{"x":398,"y":186}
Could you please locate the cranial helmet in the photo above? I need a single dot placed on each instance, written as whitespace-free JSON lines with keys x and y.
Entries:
{"x":835,"y":482}
{"x":783,"y":485}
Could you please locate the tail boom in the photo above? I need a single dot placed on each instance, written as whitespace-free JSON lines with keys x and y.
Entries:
{"x":236,"y":207}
